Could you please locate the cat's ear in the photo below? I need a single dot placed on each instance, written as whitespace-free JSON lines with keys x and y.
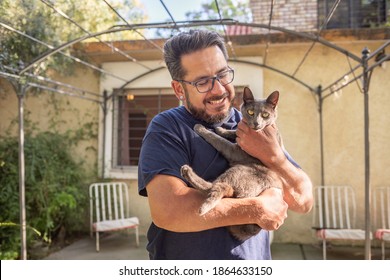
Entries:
{"x":247,"y":95}
{"x":273,"y":98}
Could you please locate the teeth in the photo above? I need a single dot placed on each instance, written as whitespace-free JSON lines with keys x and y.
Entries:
{"x":216,"y":101}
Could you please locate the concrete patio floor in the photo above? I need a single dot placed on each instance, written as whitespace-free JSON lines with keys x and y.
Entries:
{"x":118,"y":246}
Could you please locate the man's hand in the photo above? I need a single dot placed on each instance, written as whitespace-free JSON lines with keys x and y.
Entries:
{"x":273,"y":209}
{"x":261,"y":144}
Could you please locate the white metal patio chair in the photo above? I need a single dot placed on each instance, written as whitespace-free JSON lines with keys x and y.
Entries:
{"x":334,"y":215}
{"x":381,"y":215}
{"x":109,"y":209}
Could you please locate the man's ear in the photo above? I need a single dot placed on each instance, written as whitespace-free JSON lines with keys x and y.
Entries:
{"x":178,"y":89}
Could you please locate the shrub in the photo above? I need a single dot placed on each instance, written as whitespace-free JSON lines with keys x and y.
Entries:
{"x":55,"y":190}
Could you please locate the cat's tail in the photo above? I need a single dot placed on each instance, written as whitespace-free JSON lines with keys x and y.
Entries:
{"x":194,"y":180}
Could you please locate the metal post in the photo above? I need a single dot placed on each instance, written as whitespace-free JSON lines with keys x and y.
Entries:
{"x":365,"y":54}
{"x":320,"y":106}
{"x":320,"y":103}
{"x":104,"y":131}
{"x":21,"y":90}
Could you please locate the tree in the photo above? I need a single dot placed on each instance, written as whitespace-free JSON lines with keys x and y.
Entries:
{"x":229,"y":9}
{"x":27,"y":23}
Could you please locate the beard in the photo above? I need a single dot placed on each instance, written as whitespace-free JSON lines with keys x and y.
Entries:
{"x":201,"y":114}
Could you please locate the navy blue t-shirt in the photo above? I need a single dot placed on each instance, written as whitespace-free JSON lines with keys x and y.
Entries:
{"x":169,"y":143}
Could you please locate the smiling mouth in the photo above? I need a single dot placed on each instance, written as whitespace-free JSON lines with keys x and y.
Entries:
{"x":217,"y":102}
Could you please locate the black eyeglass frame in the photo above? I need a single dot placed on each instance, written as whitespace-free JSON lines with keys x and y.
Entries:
{"x":216,"y":77}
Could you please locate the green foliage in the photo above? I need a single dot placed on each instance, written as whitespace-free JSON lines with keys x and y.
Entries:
{"x":233,"y":9}
{"x":56,"y":193}
{"x":229,"y":9}
{"x":9,"y":253}
{"x":36,"y":26}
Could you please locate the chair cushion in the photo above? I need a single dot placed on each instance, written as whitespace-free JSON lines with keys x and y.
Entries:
{"x":341,"y":234}
{"x":111,"y":225}
{"x":383,"y":234}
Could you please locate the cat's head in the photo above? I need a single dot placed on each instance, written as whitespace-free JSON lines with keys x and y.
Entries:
{"x":259,"y":113}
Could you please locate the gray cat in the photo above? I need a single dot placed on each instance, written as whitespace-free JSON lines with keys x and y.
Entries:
{"x":246,"y":176}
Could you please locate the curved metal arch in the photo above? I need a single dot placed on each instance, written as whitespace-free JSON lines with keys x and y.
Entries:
{"x":180,"y":24}
{"x":275,"y":70}
{"x":140,"y":76}
{"x":314,"y":90}
{"x":134,"y":79}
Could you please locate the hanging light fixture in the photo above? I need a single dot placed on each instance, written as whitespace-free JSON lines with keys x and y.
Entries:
{"x":130,"y":97}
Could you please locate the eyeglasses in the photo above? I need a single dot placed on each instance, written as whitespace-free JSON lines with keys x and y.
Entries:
{"x":207,"y":84}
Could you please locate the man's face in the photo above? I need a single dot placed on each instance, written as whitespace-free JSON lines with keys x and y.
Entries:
{"x":214,"y":105}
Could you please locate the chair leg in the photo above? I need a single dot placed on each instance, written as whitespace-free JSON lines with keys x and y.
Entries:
{"x":383,"y":249}
{"x":137,"y":236}
{"x":97,"y":242}
{"x":324,"y":249}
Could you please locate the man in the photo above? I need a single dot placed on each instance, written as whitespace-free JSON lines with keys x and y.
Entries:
{"x":202,"y":80}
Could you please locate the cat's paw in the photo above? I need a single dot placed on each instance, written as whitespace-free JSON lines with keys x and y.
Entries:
{"x":199,"y":128}
{"x":225,"y":133}
{"x":228,"y":134}
{"x":184,"y":170}
{"x":220,"y":130}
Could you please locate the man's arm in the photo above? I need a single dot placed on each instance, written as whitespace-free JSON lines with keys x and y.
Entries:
{"x":174,"y":206}
{"x":297,"y":186}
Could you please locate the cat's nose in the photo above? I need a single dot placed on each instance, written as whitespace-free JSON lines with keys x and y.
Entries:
{"x":253,"y":125}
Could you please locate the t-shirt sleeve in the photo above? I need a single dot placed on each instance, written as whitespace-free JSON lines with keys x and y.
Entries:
{"x":291,"y":159}
{"x":162,"y":152}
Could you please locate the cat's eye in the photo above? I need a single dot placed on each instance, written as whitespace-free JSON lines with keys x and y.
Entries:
{"x":250,"y":112}
{"x":265,"y":115}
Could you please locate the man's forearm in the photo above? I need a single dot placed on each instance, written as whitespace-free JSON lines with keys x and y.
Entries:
{"x":175,"y":207}
{"x":297,"y":186}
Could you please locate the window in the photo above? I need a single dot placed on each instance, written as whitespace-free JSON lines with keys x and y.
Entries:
{"x":132,"y":116}
{"x":352,"y":13}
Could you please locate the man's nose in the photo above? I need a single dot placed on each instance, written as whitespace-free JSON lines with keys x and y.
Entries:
{"x":217,"y":87}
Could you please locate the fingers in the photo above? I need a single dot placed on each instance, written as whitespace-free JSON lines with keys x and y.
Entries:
{"x":270,"y":130}
{"x":279,"y":223}
{"x":242,"y":127}
{"x":273,"y":209}
{"x":242,"y":131}
{"x":273,"y":225}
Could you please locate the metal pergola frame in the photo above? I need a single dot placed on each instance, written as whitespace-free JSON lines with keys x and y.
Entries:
{"x":17,"y":79}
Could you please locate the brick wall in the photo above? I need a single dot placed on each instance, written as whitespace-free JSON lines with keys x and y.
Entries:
{"x":298,"y":15}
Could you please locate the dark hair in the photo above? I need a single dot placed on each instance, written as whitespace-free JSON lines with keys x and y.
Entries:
{"x":186,"y":43}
